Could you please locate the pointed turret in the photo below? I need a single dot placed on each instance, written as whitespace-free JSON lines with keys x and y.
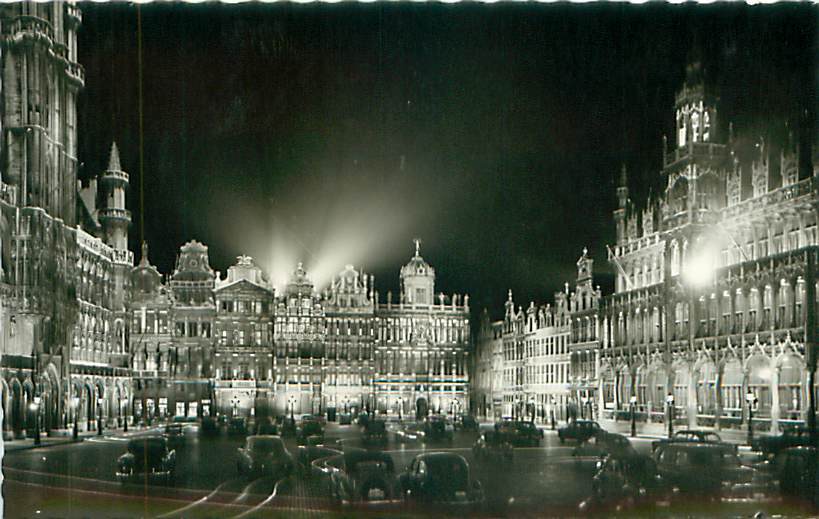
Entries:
{"x":114,"y":217}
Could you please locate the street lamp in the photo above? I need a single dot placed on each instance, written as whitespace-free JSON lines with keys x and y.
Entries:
{"x":99,"y":416}
{"x":532,"y":408}
{"x":633,"y":417}
{"x":669,"y":400}
{"x":35,"y":407}
{"x":583,"y":401}
{"x":75,"y":404}
{"x":750,"y":398}
{"x":552,"y":412}
{"x":400,"y":407}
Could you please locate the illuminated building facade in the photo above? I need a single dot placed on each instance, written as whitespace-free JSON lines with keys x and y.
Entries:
{"x":64,"y":262}
{"x":205,"y":345}
{"x":715,"y":297}
{"x":522,"y":366}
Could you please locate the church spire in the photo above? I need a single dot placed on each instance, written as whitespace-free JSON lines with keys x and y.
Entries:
{"x":113,"y":160}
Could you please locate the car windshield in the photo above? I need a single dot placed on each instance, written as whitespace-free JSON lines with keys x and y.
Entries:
{"x":706,"y":458}
{"x":265,"y":445}
{"x":139,"y":447}
{"x":526,"y":426}
{"x":173,"y":428}
{"x":312,"y":427}
{"x":449,"y":471}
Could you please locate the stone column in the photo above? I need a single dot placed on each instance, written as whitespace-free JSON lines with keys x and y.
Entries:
{"x":775,"y":399}
{"x":692,"y":397}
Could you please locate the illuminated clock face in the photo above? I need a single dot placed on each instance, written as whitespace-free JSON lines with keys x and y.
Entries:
{"x":193,"y":263}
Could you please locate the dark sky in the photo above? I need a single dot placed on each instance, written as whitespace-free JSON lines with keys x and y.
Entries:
{"x":271,"y":128}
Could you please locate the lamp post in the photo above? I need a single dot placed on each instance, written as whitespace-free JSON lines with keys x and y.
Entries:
{"x":669,"y":399}
{"x":552,"y":412}
{"x":99,"y":416}
{"x":35,"y":407}
{"x":532,"y":408}
{"x":400,"y":407}
{"x":583,"y":401}
{"x":75,"y":403}
{"x":633,"y":401}
{"x":750,"y":398}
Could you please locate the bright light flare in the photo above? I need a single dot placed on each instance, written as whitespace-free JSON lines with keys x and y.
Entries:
{"x":699,"y":269}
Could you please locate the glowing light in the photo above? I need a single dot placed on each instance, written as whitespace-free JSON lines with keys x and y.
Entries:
{"x":699,"y":269}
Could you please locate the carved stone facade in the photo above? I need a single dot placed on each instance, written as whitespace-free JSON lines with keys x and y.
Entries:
{"x":717,"y":298}
{"x":64,"y":263}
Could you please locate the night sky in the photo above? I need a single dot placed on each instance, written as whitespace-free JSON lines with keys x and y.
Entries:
{"x":336,"y":134}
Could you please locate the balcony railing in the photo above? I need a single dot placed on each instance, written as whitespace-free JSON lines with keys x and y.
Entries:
{"x":28,"y":25}
{"x":113,"y":213}
{"x":120,"y":176}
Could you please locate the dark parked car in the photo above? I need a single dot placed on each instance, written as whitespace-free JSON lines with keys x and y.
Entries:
{"x":605,"y":444}
{"x":519,"y":433}
{"x":688,"y":435}
{"x":175,"y":434}
{"x":364,"y":476}
{"x":466,"y":422}
{"x":209,"y":426}
{"x":797,"y":469}
{"x":580,"y":430}
{"x":345,"y":419}
{"x":362,"y":418}
{"x":410,"y":432}
{"x":705,"y":469}
{"x":441,"y":478}
{"x":237,"y":426}
{"x":310,"y":429}
{"x":493,"y":447}
{"x":436,"y":428}
{"x":265,"y":426}
{"x":375,"y":433}
{"x":287,"y":426}
{"x":624,"y":480}
{"x":791,"y":437}
{"x":147,"y":458}
{"x":264,"y":456}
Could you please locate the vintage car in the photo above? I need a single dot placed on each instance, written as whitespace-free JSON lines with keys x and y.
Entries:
{"x":437,"y":428}
{"x":148,"y":459}
{"x":175,"y":434}
{"x":689,"y":435}
{"x":363,"y":475}
{"x":209,"y":426}
{"x":624,"y":480}
{"x":466,"y":422}
{"x":770,"y":446}
{"x":411,"y":432}
{"x":362,"y":418}
{"x":493,"y":447}
{"x":797,"y":469}
{"x":440,"y":478}
{"x":237,"y":426}
{"x":580,"y":430}
{"x":307,"y":454}
{"x":310,"y":429}
{"x":375,"y":433}
{"x":706,"y":469}
{"x":264,"y":456}
{"x":345,"y":419}
{"x":519,"y":433}
{"x":605,"y":444}
{"x":265,"y":426}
